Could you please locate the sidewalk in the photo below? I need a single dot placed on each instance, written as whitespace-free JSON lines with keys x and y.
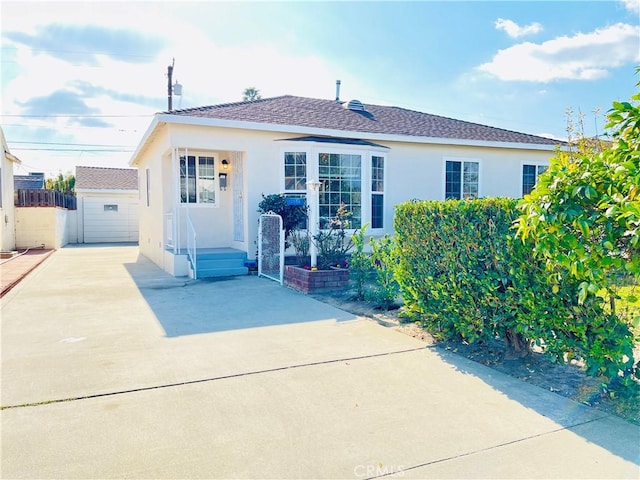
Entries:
{"x":13,"y":270}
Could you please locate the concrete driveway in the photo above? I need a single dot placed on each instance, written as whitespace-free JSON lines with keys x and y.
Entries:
{"x":112,"y":369}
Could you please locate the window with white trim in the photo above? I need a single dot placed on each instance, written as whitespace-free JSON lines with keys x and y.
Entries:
{"x":461,"y":179}
{"x":340,"y":175}
{"x":377,"y":191}
{"x":197,"y":179}
{"x":148,"y":177}
{"x":295,"y":171}
{"x":530,"y":175}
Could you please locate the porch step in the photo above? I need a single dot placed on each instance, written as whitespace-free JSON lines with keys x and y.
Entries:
{"x":222,"y":262}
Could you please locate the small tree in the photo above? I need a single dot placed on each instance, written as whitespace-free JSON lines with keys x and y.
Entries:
{"x":62,"y":183}
{"x":584,"y":214}
{"x":250,"y":94}
{"x":332,"y":242}
{"x":583,"y":218}
{"x":293,"y":216}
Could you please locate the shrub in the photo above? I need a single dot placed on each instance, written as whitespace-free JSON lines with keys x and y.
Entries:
{"x":464,"y":275}
{"x":332,"y":242}
{"x":359,"y":263}
{"x":384,"y":260}
{"x":300,"y":241}
{"x":293,"y":216}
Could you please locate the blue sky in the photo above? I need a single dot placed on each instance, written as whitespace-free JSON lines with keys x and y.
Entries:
{"x":84,"y":79}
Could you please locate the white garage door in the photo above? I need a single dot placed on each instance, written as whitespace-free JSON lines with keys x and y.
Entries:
{"x":110,"y":219}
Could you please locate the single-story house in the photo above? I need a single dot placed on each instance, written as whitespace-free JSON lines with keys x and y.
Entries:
{"x":107,"y":200}
{"x":203,"y":171}
{"x":7,"y":208}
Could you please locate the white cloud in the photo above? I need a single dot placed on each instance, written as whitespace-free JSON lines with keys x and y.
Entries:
{"x":584,"y":56}
{"x":632,"y":5}
{"x":514,"y":30}
{"x":112,"y":85}
{"x":551,"y":136}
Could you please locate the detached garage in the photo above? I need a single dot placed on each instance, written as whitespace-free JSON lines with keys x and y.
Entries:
{"x":107,"y":204}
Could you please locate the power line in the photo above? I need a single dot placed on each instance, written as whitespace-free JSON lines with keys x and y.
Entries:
{"x":18,"y":115}
{"x":72,"y":144}
{"x":92,"y":150}
{"x":63,"y":127}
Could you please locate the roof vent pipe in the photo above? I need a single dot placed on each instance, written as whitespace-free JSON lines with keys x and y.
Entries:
{"x":337,"y":90}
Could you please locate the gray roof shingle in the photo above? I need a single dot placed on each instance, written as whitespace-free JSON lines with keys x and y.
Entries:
{"x":376,"y":119}
{"x":101,"y":178}
{"x":33,"y":181}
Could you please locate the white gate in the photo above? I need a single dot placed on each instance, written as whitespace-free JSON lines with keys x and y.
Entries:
{"x":271,"y":247}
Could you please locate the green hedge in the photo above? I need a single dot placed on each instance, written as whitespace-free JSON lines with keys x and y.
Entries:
{"x":464,"y":276}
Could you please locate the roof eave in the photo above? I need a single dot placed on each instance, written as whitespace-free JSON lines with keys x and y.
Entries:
{"x":146,"y":138}
{"x":107,"y":190}
{"x":11,"y":157}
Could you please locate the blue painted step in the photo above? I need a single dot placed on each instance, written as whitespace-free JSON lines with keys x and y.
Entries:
{"x":221,"y":262}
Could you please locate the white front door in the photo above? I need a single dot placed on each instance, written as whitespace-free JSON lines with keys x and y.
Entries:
{"x":237,"y":179}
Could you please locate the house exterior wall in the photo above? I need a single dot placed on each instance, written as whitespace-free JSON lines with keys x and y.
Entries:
{"x":7,"y":209}
{"x":151,"y":212}
{"x":44,"y":227}
{"x":412,"y":171}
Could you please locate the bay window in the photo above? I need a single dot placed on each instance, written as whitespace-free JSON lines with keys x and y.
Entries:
{"x":340,"y":175}
{"x":377,"y":191}
{"x":295,"y":171}
{"x":351,"y":177}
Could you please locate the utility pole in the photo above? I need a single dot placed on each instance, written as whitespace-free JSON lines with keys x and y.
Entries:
{"x":169,"y":85}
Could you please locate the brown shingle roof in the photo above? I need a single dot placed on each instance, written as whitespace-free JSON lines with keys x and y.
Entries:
{"x":378,"y":119}
{"x":100,"y":178}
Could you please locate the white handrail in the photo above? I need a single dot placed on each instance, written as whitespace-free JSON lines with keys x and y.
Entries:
{"x":191,"y":245}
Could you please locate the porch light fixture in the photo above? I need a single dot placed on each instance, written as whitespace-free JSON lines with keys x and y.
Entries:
{"x":225,"y":164}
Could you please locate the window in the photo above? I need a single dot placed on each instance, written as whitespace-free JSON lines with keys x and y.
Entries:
{"x":148,"y":187}
{"x":295,"y":171}
{"x":340,"y":176}
{"x":197,"y":183}
{"x":530,"y":175}
{"x":110,"y":208}
{"x":377,"y":192}
{"x":461,"y":179}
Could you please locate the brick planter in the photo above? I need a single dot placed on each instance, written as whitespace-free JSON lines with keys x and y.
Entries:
{"x":318,"y":281}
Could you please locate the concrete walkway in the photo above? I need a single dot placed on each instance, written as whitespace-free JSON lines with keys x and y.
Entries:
{"x":112,"y":369}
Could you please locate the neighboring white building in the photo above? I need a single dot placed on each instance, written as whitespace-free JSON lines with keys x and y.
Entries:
{"x":203,"y":171}
{"x":7,"y":208}
{"x":107,"y":204}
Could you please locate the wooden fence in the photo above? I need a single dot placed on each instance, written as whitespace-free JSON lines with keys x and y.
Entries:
{"x":44,"y":198}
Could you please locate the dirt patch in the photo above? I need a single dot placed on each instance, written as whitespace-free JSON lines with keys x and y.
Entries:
{"x":568,"y":380}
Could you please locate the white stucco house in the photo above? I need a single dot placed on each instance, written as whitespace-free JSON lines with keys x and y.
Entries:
{"x":7,"y":208}
{"x":203,"y":171}
{"x":107,"y":203}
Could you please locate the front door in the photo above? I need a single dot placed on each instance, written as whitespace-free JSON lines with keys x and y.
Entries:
{"x":237,"y":179}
